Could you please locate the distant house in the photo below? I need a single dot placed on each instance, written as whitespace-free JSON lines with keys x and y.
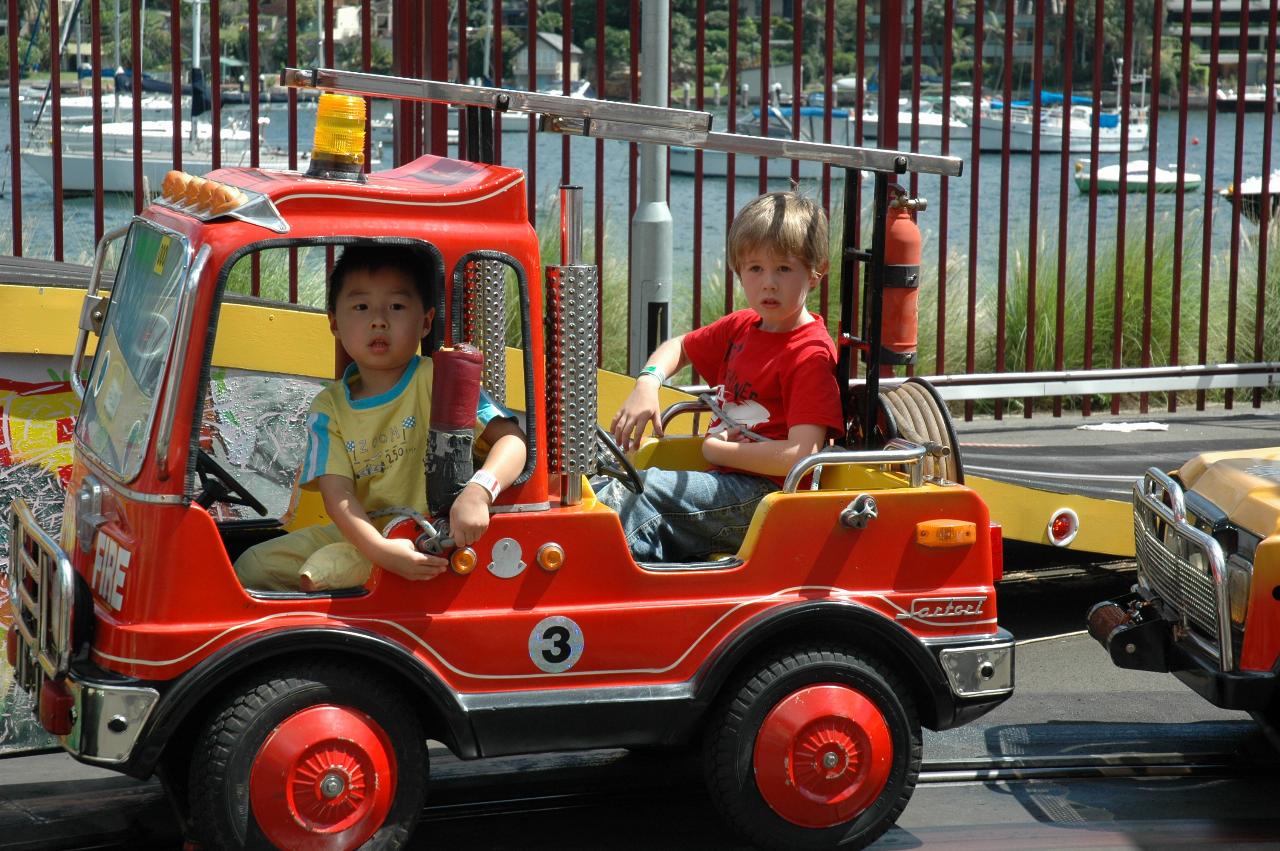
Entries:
{"x":549,"y":70}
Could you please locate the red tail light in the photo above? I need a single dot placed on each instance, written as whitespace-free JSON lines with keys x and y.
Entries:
{"x":997,"y":552}
{"x":55,"y":707}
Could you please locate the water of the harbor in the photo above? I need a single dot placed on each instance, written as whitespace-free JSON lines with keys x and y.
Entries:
{"x":37,"y":196}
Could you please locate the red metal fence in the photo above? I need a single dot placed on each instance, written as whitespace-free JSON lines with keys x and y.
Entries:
{"x":1032,"y":264}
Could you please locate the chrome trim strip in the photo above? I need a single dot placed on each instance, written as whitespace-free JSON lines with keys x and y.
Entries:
{"x":575,"y":696}
{"x":173,"y":379}
{"x":895,"y":452}
{"x":52,"y":604}
{"x":95,"y":274}
{"x":1148,"y":497}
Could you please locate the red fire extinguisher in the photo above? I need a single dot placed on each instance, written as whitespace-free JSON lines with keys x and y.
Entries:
{"x":900,"y":319}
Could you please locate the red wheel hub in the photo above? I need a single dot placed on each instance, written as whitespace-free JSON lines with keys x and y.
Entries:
{"x":822,"y":755}
{"x":325,"y":778}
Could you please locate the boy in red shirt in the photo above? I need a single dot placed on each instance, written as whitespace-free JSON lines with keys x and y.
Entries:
{"x":773,"y":370}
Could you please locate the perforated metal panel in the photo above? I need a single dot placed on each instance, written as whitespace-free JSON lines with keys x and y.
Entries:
{"x":485,"y":321}
{"x":571,"y":367}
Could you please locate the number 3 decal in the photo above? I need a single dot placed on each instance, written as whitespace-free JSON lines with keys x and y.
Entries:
{"x":555,"y":645}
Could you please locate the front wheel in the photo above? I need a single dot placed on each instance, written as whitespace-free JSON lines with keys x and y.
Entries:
{"x":815,"y":748}
{"x":326,"y":757}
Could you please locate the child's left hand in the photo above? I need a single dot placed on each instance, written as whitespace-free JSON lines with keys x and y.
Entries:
{"x":469,"y":517}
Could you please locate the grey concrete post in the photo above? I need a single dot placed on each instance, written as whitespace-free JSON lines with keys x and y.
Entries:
{"x":650,"y":287}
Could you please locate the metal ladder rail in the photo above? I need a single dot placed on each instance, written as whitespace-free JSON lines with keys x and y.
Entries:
{"x":621,"y":121}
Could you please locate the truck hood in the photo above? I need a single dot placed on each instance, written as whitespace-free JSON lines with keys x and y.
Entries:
{"x":1244,"y":483}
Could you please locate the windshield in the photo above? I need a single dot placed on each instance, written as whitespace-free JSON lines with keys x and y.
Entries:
{"x":119,"y":402}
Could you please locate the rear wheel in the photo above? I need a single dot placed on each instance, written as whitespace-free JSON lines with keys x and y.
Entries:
{"x":325,"y":757}
{"x":816,"y":748}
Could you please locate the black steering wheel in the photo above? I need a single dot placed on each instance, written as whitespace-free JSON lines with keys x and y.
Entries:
{"x":217,"y":485}
{"x":611,"y":461}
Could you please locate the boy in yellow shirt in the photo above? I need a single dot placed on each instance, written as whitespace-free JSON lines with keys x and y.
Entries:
{"x":367,"y":437}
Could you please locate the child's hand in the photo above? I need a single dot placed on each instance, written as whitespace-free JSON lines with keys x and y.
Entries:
{"x":469,"y":517}
{"x":640,"y":409}
{"x":399,"y":556}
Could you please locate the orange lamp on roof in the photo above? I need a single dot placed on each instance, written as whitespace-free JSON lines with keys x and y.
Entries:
{"x":338,"y":148}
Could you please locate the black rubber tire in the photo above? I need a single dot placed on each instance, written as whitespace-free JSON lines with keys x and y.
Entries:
{"x":226,"y":745}
{"x":731,"y":736}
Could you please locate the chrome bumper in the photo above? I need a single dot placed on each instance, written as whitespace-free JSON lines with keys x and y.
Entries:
{"x":979,"y":668}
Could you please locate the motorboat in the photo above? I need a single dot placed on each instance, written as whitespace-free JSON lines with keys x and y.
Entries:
{"x":1254,"y":97}
{"x":715,"y":163}
{"x":926,"y":117}
{"x":1136,"y":178}
{"x":1249,"y":194}
{"x":1054,"y":114}
{"x":117,"y":170}
{"x":154,"y":106}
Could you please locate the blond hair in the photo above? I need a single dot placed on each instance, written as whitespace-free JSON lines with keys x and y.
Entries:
{"x":787,"y":223}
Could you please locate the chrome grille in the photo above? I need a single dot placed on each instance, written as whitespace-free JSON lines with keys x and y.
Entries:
{"x":1180,"y":564}
{"x":42,"y":589}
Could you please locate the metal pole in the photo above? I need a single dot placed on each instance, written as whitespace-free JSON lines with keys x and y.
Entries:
{"x":650,"y":291}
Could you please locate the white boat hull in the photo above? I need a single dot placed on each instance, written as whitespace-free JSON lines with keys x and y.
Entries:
{"x":930,"y":127}
{"x":1021,"y":135}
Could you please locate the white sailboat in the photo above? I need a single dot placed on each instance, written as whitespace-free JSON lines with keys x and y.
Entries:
{"x":716,"y":163}
{"x":927,"y":119}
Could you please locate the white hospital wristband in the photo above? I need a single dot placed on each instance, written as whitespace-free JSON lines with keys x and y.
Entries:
{"x":488,"y":481}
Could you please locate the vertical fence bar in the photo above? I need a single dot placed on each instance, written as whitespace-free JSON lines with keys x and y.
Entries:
{"x":1179,"y":206}
{"x":730,"y":160}
{"x":1264,"y":214}
{"x":944,"y":201}
{"x":1122,"y":205}
{"x":1086,"y":403}
{"x":175,"y":78}
{"x":1233,"y":267}
{"x":215,"y":84}
{"x":917,"y":45}
{"x":1059,"y":327}
{"x":1033,"y":214}
{"x":700,"y":60}
{"x":633,"y":156}
{"x":765,"y":95}
{"x":55,"y":128}
{"x":291,"y":24}
{"x":136,"y":26}
{"x":797,"y":52}
{"x":599,"y":163}
{"x":99,"y":219}
{"x":853,"y":219}
{"x":829,"y":105}
{"x":1206,"y":244}
{"x":255,"y":136}
{"x":1153,"y":139}
{"x":15,"y":126}
{"x":971,"y":309}
{"x":531,"y":141}
{"x":1006,"y":130}
{"x":498,"y":70}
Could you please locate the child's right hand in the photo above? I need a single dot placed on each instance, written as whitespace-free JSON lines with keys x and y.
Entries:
{"x":399,"y":556}
{"x":640,"y":409}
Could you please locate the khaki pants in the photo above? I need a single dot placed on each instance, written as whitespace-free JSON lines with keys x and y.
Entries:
{"x":318,"y":553}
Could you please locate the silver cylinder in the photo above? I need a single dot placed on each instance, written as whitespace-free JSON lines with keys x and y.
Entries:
{"x":570,"y":225}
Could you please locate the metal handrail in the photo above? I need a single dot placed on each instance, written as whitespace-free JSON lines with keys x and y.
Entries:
{"x":82,"y":336}
{"x":895,"y":452}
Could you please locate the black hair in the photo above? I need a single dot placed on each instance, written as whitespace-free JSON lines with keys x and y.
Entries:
{"x":372,"y":257}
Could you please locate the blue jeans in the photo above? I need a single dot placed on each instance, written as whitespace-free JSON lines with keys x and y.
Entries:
{"x":686,"y":515}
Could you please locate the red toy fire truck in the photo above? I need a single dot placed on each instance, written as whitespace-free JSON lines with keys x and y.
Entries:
{"x":860,"y":608}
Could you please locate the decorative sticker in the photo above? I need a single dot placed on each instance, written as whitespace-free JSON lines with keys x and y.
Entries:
{"x":555,"y":645}
{"x":162,"y":254}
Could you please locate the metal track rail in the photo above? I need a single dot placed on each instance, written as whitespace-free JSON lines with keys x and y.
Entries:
{"x":627,"y":122}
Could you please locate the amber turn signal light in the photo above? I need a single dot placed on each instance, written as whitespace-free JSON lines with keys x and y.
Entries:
{"x":550,"y":557}
{"x":463,"y":560}
{"x":946,"y":533}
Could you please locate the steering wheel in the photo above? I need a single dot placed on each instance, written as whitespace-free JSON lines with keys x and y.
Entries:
{"x":611,"y":461}
{"x":217,"y":485}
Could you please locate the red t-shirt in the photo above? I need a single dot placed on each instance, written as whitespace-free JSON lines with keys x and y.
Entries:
{"x":768,"y":381}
